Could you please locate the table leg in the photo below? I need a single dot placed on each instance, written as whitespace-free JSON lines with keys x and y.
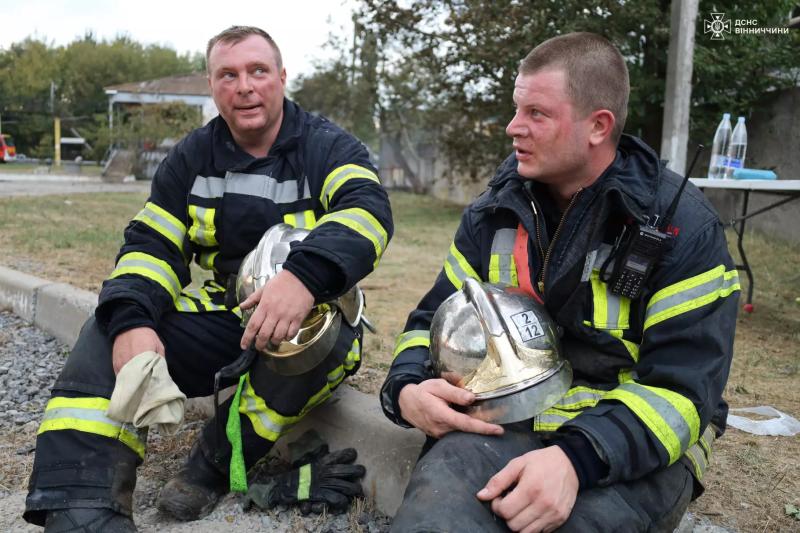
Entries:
{"x":745,"y":264}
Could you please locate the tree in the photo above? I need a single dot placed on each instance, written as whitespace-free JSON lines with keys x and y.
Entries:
{"x":39,"y":81}
{"x":457,"y":59}
{"x":346,"y":88}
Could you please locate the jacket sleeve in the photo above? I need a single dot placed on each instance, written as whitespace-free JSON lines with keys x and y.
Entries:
{"x":664,"y":404}
{"x":411,"y":363}
{"x":152,"y":265}
{"x":348,"y":241}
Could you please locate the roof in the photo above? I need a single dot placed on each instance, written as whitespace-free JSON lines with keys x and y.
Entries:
{"x":190,"y":84}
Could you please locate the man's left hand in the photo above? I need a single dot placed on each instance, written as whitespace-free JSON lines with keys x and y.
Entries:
{"x":280,"y":308}
{"x":545,"y":491}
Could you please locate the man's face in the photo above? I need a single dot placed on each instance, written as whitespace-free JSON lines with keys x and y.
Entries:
{"x":551,"y":144}
{"x":247,"y":85}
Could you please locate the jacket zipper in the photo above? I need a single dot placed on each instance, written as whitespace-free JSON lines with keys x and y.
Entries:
{"x":553,"y":240}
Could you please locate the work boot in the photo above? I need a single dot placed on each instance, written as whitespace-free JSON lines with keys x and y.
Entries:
{"x":87,"y":521}
{"x":195,"y":489}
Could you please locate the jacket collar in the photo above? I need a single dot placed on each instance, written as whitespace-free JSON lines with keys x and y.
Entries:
{"x":633,"y":178}
{"x":229,"y":156}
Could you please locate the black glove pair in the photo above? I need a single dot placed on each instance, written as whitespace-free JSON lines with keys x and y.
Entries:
{"x":319,"y":480}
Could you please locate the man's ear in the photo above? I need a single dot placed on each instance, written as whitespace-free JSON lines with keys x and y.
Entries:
{"x":602,"y":123}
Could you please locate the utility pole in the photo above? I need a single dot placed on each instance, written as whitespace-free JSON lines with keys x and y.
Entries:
{"x":678,"y":96}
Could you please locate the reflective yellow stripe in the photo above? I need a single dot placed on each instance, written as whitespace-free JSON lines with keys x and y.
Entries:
{"x":341,"y":175}
{"x":502,"y":268}
{"x":89,"y":416}
{"x":699,"y":454}
{"x":457,"y":268}
{"x":202,"y":231}
{"x":301,"y":219}
{"x":194,"y":300}
{"x":671,"y":417}
{"x":611,"y":311}
{"x":147,"y":266}
{"x":304,"y":483}
{"x":552,"y":419}
{"x":206,"y":259}
{"x":691,"y":294}
{"x":362,"y":222}
{"x":411,"y":339}
{"x":164,"y":223}
{"x":580,"y":397}
{"x":353,"y":356}
{"x":632,"y":347}
{"x":268,"y":423}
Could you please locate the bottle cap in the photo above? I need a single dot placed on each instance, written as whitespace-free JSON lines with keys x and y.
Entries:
{"x":740,"y":119}
{"x":726,"y":115}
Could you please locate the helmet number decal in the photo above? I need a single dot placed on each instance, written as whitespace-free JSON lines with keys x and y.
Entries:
{"x":528,"y":325}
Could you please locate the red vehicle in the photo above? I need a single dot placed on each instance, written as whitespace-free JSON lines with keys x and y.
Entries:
{"x":7,"y":150}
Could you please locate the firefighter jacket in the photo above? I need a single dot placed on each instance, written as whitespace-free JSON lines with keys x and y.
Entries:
{"x":211,"y":202}
{"x":648,"y":373}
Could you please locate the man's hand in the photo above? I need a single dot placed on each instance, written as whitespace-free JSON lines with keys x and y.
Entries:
{"x":545,"y":491}
{"x":427,"y":407}
{"x":131,"y":343}
{"x":280,"y":308}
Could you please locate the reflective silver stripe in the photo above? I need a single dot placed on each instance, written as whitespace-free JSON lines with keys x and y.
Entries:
{"x":698,"y":459}
{"x":503,"y":241}
{"x":261,"y":186}
{"x":334,"y":180}
{"x":455,"y":266}
{"x":672,"y":417}
{"x":336,"y":374}
{"x":252,"y":409}
{"x":580,"y":398}
{"x":613,"y":305}
{"x":503,"y":248}
{"x":169,"y":226}
{"x":164,"y":274}
{"x":92,"y":415}
{"x":258,"y":185}
{"x":718,"y":283}
{"x":208,"y":187}
{"x":362,"y":221}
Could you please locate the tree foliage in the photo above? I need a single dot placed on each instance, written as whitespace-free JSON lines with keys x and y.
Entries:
{"x":447,"y":67}
{"x":39,"y":81}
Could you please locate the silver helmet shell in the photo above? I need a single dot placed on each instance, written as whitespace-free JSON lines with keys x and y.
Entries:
{"x":501,"y":344}
{"x":320,"y":329}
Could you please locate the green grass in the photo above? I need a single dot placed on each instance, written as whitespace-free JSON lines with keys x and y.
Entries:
{"x":65,"y":168}
{"x":74,"y":239}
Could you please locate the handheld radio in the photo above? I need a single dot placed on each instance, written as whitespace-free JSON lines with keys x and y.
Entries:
{"x":639,"y":247}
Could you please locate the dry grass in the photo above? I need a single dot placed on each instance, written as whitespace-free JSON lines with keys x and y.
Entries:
{"x":74,"y":240}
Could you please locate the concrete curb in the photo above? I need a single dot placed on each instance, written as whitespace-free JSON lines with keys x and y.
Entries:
{"x":350,"y":419}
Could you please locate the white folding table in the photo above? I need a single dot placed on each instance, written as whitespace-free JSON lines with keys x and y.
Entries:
{"x":788,"y":189}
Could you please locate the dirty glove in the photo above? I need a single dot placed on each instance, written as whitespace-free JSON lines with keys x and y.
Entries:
{"x":329,"y":481}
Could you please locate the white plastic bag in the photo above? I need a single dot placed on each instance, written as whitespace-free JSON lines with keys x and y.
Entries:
{"x":781,"y":424}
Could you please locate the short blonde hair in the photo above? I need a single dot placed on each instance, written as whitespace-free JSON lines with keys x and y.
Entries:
{"x":596,"y":73}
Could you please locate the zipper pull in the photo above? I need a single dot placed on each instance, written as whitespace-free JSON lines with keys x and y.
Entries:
{"x":541,"y":287}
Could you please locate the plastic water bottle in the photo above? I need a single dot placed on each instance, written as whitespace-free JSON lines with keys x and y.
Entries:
{"x":719,"y":149}
{"x":737,"y":148}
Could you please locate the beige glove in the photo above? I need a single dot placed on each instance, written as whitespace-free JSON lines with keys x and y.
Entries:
{"x":145,"y":395}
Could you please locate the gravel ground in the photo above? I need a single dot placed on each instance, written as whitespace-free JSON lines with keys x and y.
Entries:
{"x":30,"y":360}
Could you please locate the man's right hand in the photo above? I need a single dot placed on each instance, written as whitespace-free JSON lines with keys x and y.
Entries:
{"x":132,"y":342}
{"x":427,"y":407}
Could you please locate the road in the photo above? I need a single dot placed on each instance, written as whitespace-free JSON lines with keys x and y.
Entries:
{"x":39,"y":185}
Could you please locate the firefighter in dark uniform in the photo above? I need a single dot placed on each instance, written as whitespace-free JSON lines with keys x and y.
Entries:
{"x":261,"y":162}
{"x":627,"y":445}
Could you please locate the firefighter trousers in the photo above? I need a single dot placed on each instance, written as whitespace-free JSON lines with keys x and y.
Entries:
{"x":85,"y":459}
{"x":456,"y":467}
